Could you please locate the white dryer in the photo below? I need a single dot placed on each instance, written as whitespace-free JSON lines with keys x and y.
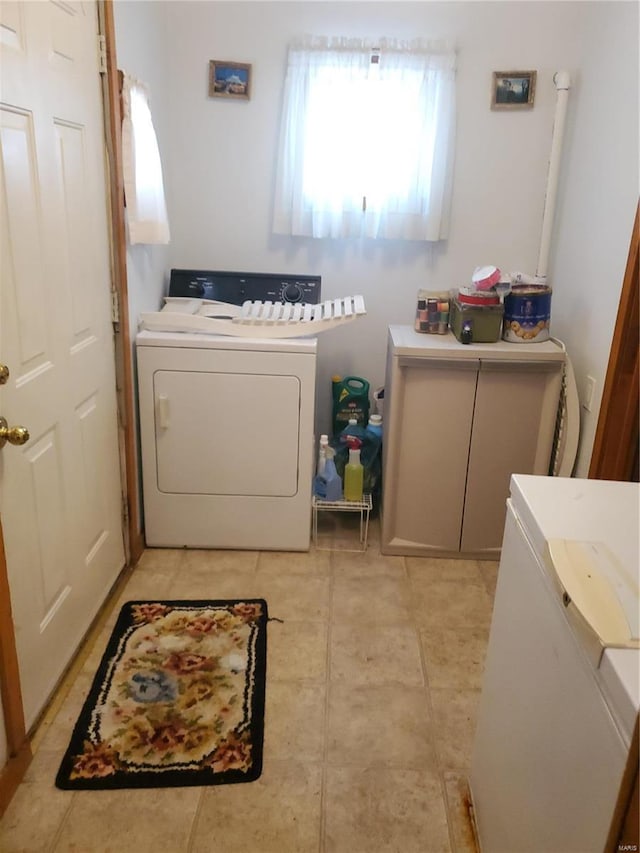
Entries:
{"x":227,"y":430}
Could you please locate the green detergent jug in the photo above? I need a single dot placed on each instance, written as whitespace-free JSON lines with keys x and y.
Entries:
{"x":350,"y":400}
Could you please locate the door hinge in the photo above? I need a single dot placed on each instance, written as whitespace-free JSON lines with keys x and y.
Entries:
{"x":102,"y":54}
{"x":115,"y":307}
{"x":125,"y":510}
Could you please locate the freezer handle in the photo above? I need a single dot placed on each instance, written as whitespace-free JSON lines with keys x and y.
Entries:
{"x":581,"y":568}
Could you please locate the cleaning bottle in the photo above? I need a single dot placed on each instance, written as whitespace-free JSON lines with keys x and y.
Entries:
{"x":322,"y":453}
{"x":374,"y":427}
{"x":333,"y":483}
{"x":350,"y":400}
{"x":327,"y":486}
{"x":353,"y":476}
{"x":353,"y":435}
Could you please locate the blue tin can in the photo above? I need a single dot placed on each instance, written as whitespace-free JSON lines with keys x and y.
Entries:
{"x":527,"y":314}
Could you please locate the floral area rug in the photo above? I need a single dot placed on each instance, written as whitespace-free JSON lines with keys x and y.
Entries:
{"x":178,"y":699}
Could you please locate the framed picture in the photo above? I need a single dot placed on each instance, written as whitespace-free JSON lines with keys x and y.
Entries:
{"x":229,"y":79}
{"x":513,"y":90}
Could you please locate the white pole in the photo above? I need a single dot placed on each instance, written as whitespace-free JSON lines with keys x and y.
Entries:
{"x":562,"y":81}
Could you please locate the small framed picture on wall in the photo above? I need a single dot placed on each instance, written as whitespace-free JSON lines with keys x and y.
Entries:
{"x":229,"y":79}
{"x":513,"y":90}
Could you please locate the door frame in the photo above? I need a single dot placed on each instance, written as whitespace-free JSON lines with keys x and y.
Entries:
{"x":18,"y":746}
{"x":134,"y":540}
{"x":18,"y":743}
{"x":615,"y":447}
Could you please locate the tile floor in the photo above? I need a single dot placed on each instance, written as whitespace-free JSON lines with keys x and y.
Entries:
{"x":372,"y":685}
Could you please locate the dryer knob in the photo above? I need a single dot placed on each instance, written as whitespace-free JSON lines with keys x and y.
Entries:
{"x":292,"y":293}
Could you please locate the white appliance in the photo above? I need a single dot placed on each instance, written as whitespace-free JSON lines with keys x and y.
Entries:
{"x":559,"y":704}
{"x":227,"y":440}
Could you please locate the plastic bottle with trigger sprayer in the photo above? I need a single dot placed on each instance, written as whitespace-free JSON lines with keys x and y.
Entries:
{"x":353,"y":476}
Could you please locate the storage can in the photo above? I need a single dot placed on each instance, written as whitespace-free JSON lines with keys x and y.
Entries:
{"x":478,"y":324}
{"x":527,"y":314}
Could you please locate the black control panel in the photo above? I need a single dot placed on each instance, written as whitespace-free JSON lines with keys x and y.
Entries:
{"x":237,"y":287}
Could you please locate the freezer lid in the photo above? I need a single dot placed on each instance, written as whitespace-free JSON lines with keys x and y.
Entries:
{"x":599,"y":593}
{"x":591,"y":511}
{"x":581,"y":510}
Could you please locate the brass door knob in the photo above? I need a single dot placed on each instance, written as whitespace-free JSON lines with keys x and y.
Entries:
{"x":13,"y":435}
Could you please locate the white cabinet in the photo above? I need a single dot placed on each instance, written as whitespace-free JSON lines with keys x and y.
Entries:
{"x":459,"y":420}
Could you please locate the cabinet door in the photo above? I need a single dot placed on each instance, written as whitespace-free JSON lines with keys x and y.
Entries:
{"x":428,"y":430}
{"x":513,"y":425}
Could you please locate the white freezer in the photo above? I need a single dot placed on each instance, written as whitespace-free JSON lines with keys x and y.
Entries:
{"x":557,"y":712}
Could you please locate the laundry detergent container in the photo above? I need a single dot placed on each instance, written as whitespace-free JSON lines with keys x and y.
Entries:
{"x":350,"y":400}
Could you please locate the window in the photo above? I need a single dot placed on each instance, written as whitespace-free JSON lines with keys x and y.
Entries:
{"x":366,"y":142}
{"x":143,"y":185}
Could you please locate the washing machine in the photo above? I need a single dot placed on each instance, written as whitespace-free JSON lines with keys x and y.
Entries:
{"x":227,"y":429}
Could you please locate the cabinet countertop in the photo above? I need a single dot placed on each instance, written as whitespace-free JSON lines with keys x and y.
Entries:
{"x":405,"y":341}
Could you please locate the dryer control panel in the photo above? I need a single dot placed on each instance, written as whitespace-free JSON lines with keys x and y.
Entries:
{"x":237,"y":287}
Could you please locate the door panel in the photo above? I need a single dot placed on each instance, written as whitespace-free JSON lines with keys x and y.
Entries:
{"x":72,"y":178}
{"x":60,"y":495}
{"x":24,"y":262}
{"x":512,"y":434}
{"x":11,"y":26}
{"x":430,"y":423}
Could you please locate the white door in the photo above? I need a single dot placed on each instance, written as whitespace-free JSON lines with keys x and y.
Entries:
{"x":60,"y":496}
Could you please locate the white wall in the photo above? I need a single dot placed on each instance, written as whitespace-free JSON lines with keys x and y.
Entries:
{"x":598,"y":198}
{"x":220,"y":156}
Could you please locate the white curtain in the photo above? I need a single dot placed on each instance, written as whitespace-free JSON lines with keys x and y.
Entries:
{"x":143,"y":186}
{"x":367,"y":140}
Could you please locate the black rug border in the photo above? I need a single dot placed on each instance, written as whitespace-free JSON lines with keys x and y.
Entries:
{"x":176,"y":778}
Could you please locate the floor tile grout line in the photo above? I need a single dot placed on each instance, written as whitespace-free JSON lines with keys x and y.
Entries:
{"x":325,"y":750}
{"x":434,"y":730}
{"x":191,"y":840}
{"x":65,"y":817}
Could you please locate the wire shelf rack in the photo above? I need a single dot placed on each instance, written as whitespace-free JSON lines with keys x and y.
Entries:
{"x":363,"y":507}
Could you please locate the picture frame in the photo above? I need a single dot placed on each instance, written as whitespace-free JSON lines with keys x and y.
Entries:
{"x":230,"y":80}
{"x":513,"y":90}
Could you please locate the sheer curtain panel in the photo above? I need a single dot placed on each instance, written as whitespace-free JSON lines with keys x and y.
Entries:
{"x":143,"y":186}
{"x":366,"y":140}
